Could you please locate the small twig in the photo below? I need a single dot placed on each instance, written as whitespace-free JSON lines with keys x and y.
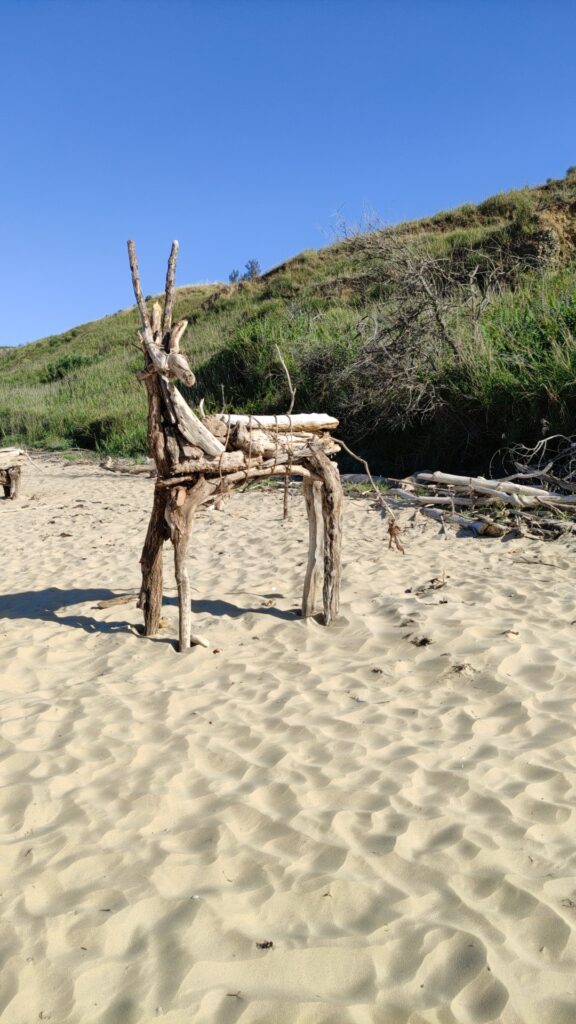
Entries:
{"x":382,"y":501}
{"x":289,"y":379}
{"x":289,"y":413}
{"x":394,"y":532}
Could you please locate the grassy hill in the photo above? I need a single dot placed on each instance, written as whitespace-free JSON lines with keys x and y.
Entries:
{"x":436,"y":342}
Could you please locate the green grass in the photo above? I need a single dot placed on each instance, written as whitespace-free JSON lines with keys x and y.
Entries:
{"x":518,"y":368}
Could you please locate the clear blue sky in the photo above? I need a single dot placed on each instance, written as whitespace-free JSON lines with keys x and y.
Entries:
{"x":241,"y":127}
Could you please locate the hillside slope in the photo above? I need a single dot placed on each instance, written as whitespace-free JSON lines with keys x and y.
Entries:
{"x":435,"y":342}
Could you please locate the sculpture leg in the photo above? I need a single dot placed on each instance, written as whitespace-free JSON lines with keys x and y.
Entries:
{"x":182,"y":504}
{"x":14,"y":474}
{"x":181,"y":546}
{"x":332,"y":497}
{"x":150,"y":600}
{"x":313,"y":497}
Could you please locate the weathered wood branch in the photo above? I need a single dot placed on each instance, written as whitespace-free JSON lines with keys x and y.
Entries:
{"x":169,"y":293}
{"x":252,"y":474}
{"x":246,"y":473}
{"x":176,"y":335}
{"x":191,"y":427}
{"x":144,"y":318}
{"x":177,"y":365}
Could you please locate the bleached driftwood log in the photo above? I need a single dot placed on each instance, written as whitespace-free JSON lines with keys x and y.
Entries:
{"x":505,"y":491}
{"x":309,"y":422}
{"x":199,"y":458}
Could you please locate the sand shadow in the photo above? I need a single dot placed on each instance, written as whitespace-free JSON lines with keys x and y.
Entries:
{"x":220,"y":609}
{"x":44,"y":606}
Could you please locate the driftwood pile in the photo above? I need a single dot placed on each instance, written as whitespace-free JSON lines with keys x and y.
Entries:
{"x":492,"y":507}
{"x":11,"y":460}
{"x":200,"y":458}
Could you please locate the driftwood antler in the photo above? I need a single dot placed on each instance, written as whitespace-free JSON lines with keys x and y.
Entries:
{"x":161,"y":343}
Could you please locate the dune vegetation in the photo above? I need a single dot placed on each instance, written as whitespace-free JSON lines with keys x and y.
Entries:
{"x":436,"y":342}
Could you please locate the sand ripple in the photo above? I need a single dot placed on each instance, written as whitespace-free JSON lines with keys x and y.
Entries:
{"x":371,"y":823}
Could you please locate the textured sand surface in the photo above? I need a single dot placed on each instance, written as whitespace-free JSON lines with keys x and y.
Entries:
{"x":395,"y":816}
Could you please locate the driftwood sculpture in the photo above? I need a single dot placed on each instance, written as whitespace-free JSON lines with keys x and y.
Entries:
{"x":200,"y":458}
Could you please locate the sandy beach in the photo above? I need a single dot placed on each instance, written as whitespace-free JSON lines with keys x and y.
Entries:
{"x":368,"y":824}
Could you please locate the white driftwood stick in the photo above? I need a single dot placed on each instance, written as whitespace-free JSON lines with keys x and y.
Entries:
{"x":528,"y":500}
{"x":199,"y":640}
{"x":312,"y":422}
{"x":477,"y":482}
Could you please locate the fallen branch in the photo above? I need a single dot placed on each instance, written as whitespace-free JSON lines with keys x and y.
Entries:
{"x":117,"y":467}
